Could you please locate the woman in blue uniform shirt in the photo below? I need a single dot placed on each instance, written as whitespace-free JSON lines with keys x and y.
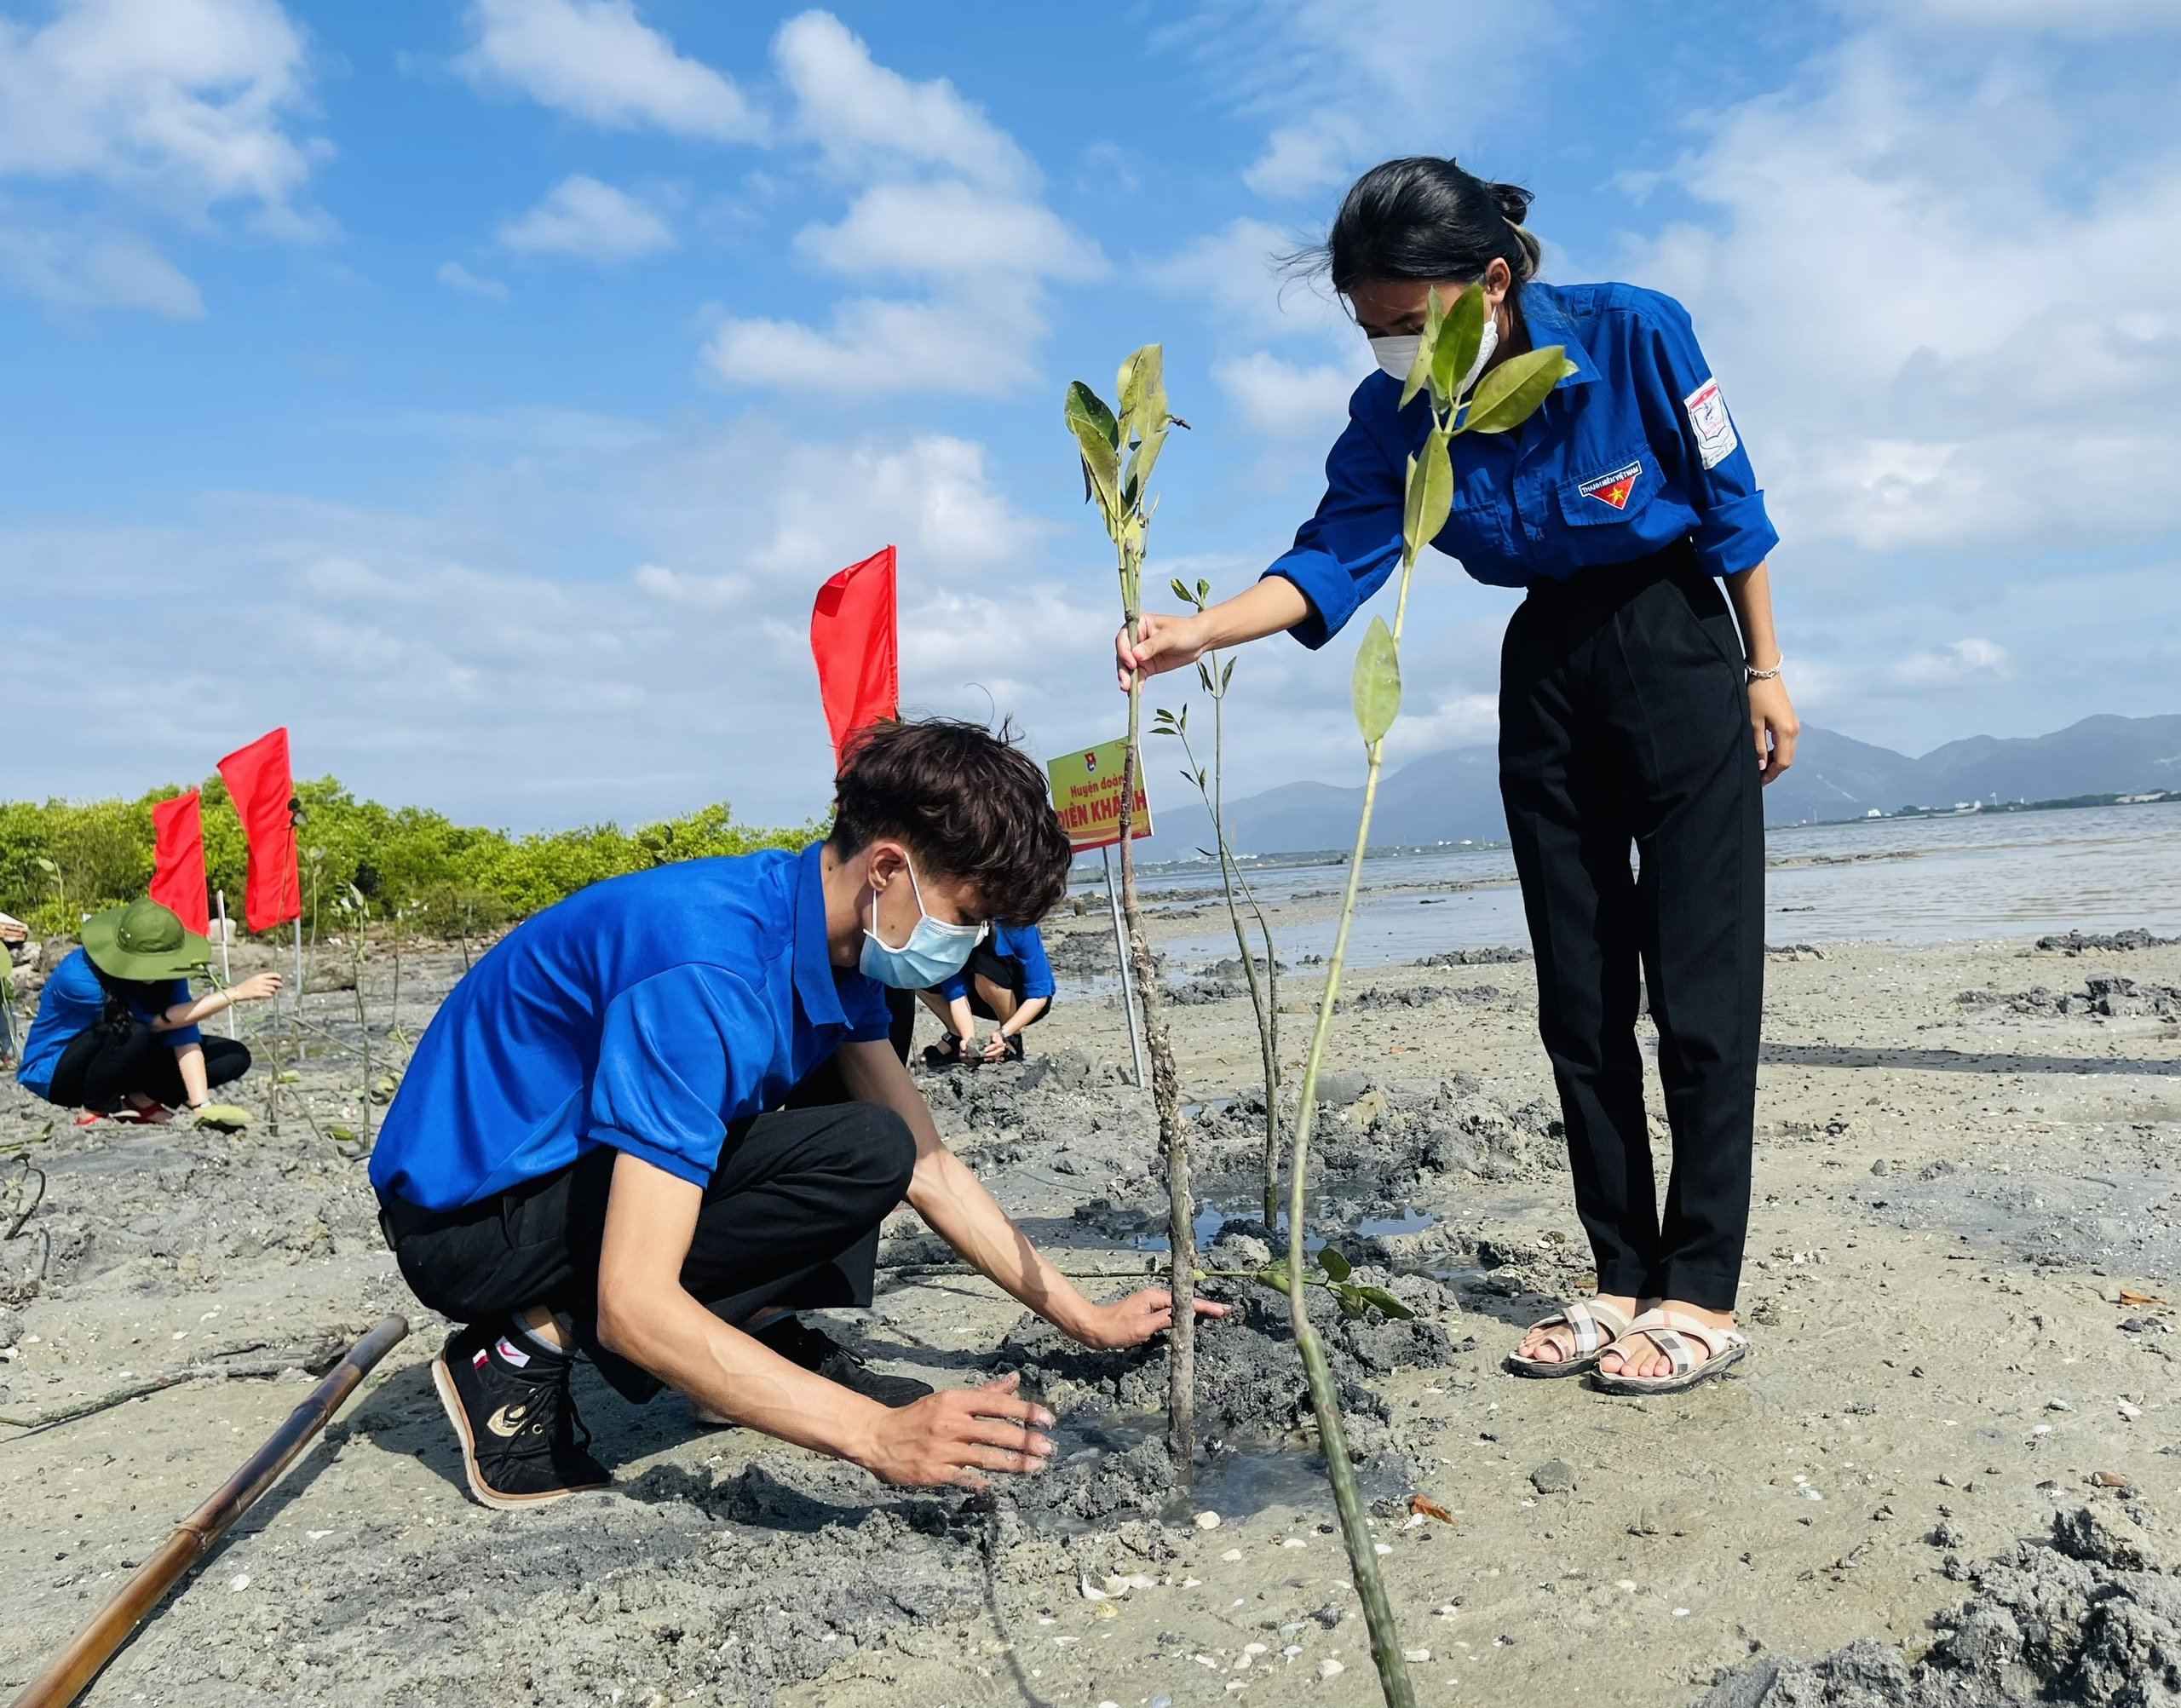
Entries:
{"x":1006,"y":978}
{"x":1640,"y":706}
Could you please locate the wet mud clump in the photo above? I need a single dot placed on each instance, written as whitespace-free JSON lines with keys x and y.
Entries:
{"x":1252,"y":1395}
{"x":2090,"y":1617}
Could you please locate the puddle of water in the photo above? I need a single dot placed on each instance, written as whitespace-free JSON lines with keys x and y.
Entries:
{"x":1238,"y":1481}
{"x":1211,"y":1217}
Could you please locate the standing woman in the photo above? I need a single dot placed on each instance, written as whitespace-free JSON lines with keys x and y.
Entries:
{"x":1635,"y":711}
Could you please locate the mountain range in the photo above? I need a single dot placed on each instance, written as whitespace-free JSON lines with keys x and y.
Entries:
{"x":1449,"y":795}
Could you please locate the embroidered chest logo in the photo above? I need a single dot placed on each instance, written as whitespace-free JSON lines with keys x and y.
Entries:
{"x":1613,"y":490}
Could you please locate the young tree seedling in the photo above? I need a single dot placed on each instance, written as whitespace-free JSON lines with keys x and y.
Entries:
{"x":1502,"y":400}
{"x":1211,"y":788}
{"x":1118,"y":453}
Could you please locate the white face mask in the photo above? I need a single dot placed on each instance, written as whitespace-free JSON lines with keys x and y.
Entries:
{"x":1397,"y":355}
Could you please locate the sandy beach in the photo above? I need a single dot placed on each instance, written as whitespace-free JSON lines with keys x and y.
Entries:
{"x":1963,"y":1245}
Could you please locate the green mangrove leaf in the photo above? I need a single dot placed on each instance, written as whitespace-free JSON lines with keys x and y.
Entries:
{"x":1374,"y":686}
{"x":1097,"y":436}
{"x":1274,"y":1274}
{"x":1226,"y":675}
{"x":1181,"y":590}
{"x":1351,"y":1302}
{"x":1385,"y":1302}
{"x":1429,"y":495}
{"x":1459,"y":334}
{"x":1203,"y":592}
{"x":1505,"y":397}
{"x":1204,"y":676}
{"x":1335,"y":1265}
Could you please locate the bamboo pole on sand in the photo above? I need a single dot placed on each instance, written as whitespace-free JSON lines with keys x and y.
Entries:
{"x":77,"y":1665}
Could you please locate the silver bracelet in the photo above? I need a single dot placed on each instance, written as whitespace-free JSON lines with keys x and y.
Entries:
{"x":1751,"y":674}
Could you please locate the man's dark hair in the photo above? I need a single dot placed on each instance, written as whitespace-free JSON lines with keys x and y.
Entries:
{"x":971,"y":805}
{"x":1421,"y":217}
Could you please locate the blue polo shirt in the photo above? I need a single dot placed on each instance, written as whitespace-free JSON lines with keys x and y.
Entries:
{"x":1631,"y":451}
{"x":645,"y":1013}
{"x":73,"y":1001}
{"x":1025,"y":947}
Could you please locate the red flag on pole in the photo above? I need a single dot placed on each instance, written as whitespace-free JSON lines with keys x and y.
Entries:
{"x":260,"y":784}
{"x":852,"y":638}
{"x":178,"y":860}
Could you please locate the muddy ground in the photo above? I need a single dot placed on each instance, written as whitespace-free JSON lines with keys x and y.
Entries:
{"x":1964,"y":1242}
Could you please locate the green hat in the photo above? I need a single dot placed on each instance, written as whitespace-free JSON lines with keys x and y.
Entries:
{"x":143,"y":941}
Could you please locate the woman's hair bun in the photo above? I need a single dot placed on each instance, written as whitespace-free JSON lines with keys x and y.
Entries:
{"x":1514,"y":202}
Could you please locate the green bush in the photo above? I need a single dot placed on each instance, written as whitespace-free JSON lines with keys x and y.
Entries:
{"x":60,"y":860}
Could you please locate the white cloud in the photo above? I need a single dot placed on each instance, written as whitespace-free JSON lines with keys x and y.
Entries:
{"x":68,"y":269}
{"x":1237,"y":271}
{"x":867,"y":117}
{"x":1280,"y":401}
{"x":582,"y":218}
{"x":1941,"y":325}
{"x":974,"y":238}
{"x":947,"y":230}
{"x":1345,"y":82}
{"x":172,"y":106}
{"x":1300,"y":158}
{"x":599,"y":61}
{"x":876,"y":346}
{"x":185,"y":98}
{"x":592,"y":623}
{"x":457,"y":277}
{"x":1957,"y":661}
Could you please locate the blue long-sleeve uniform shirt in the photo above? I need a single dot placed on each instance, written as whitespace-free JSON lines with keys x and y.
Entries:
{"x":1021,"y":944}
{"x":645,"y":1013}
{"x":1631,"y":451}
{"x":72,"y":1002}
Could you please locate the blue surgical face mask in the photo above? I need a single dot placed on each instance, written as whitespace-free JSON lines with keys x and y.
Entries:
{"x":934,"y":953}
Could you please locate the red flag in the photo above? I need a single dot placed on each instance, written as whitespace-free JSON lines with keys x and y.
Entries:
{"x":178,"y":860}
{"x":259,"y":784}
{"x":852,"y":638}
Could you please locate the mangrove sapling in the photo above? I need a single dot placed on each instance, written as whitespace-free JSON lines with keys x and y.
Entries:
{"x":359,"y":912}
{"x":1502,"y":400}
{"x":1117,"y":454}
{"x":1264,"y":1000}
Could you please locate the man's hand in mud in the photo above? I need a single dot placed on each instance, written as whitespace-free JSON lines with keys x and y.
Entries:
{"x":995,"y":1047}
{"x":951,"y":1436}
{"x":1134,"y":1318}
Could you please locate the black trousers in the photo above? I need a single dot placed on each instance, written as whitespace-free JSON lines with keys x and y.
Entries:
{"x":1624,"y":722}
{"x":102,"y":1065}
{"x":1003,"y":972}
{"x":790,"y":1219}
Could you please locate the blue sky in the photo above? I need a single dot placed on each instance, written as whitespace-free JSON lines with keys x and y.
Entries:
{"x":483,"y":390}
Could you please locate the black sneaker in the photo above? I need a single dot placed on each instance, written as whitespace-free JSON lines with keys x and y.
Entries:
{"x":516,"y":1419}
{"x":816,"y":1350}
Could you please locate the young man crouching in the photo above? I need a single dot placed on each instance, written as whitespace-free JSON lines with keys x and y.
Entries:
{"x":590,"y":1149}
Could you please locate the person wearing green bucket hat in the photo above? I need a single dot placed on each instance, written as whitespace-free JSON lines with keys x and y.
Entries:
{"x":116,"y":1028}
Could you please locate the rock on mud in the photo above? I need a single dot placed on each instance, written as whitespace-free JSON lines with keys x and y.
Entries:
{"x":2091,"y":1617}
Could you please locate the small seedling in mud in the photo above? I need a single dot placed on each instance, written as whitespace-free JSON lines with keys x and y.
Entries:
{"x":359,"y":912}
{"x":1333,"y":1273}
{"x":1118,"y":453}
{"x":1502,"y":399}
{"x":1211,"y":785}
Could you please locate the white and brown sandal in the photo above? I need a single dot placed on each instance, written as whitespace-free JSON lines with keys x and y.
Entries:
{"x":1714,"y":1350}
{"x":1591,"y":1327}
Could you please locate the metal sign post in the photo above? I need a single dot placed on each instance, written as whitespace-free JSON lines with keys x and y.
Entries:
{"x":1128,"y":984}
{"x":226,"y":968}
{"x":1086,"y":787}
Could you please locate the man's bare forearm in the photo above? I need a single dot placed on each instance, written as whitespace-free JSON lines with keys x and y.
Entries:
{"x":954,"y":1202}
{"x":677,"y":1340}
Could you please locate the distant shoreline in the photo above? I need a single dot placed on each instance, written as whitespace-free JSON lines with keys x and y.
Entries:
{"x":1085,"y":874}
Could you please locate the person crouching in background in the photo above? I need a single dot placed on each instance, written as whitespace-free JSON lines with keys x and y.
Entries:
{"x":1007,"y":980}
{"x":115,"y":1032}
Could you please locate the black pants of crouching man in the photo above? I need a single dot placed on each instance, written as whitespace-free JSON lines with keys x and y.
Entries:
{"x":1623,"y":723}
{"x":790,"y":1219}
